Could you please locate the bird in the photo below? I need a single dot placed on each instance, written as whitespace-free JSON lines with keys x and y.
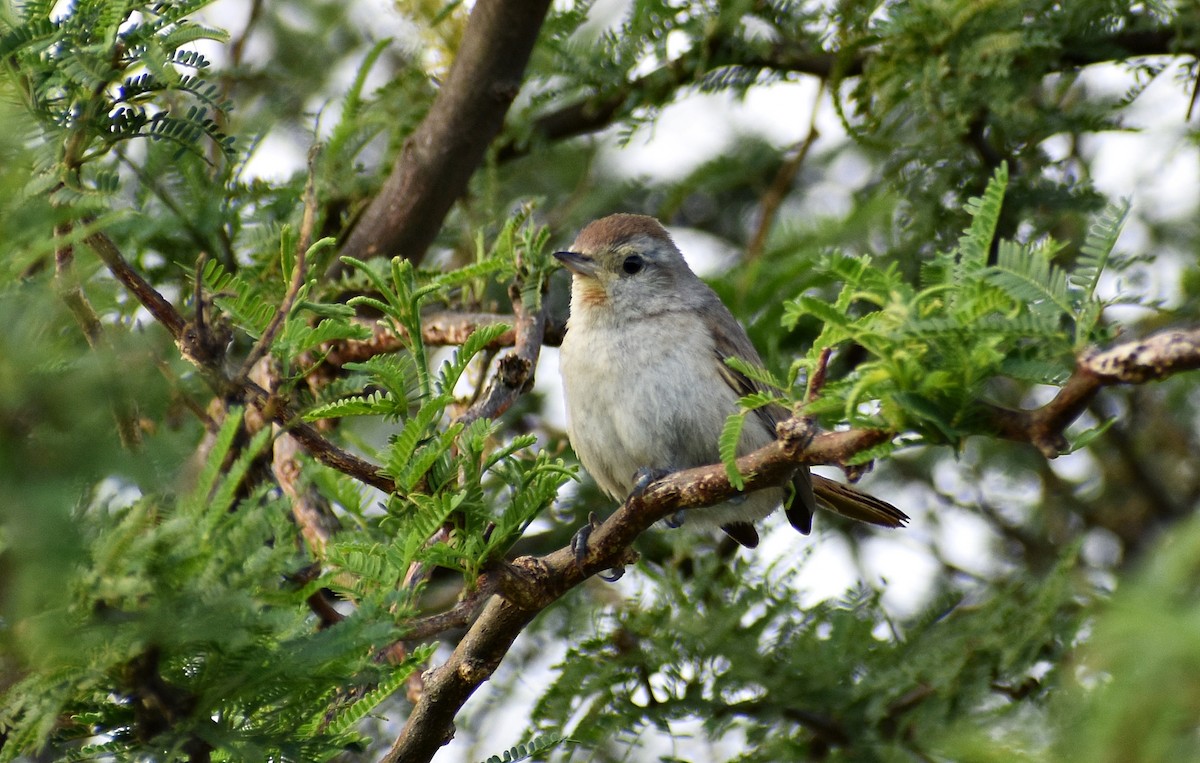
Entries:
{"x":648,"y":390}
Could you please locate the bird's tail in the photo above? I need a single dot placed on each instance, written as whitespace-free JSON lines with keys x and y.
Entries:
{"x":855,"y":504}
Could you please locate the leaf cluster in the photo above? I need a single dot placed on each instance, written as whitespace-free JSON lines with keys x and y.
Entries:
{"x":986,"y":310}
{"x":871,"y":686}
{"x":179,"y":630}
{"x":950,"y":89}
{"x":465,"y":491}
{"x":104,"y":73}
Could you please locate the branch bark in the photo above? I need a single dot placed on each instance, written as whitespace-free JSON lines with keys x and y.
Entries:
{"x":1136,"y":362}
{"x":530,"y":584}
{"x":439,"y":158}
{"x":439,"y":329}
{"x":598,"y":111}
{"x":514,"y":372}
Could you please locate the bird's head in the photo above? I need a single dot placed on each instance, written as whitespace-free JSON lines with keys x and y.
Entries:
{"x":627,"y":266}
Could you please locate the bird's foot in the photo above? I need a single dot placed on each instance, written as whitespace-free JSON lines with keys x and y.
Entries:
{"x":579,"y":543}
{"x":645,"y":477}
{"x":675,"y":520}
{"x":579,"y":539}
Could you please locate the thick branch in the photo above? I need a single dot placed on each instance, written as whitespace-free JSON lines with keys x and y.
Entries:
{"x":600,"y":110}
{"x":1136,"y":362}
{"x":439,"y":158}
{"x":530,"y":584}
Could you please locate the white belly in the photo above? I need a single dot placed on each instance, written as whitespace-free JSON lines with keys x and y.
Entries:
{"x":636,"y":403}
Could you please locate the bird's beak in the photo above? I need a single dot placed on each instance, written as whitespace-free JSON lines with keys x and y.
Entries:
{"x":579,"y":264}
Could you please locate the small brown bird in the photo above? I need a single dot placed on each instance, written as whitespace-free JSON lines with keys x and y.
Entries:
{"x":647,"y":387}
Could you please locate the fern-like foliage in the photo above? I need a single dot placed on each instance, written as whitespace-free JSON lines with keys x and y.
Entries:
{"x":464,"y":492}
{"x":178,"y":631}
{"x":932,"y":350}
{"x":536,"y":746}
{"x":722,"y":662}
{"x":242,"y":300}
{"x":99,"y":73}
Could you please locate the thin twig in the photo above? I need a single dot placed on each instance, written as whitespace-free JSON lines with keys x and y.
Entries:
{"x":324,"y":451}
{"x":439,"y":329}
{"x":299,"y":270}
{"x":514,"y":372}
{"x":772,"y":200}
{"x":162,"y":310}
{"x":66,"y":280}
{"x":69,"y":289}
{"x":458,"y":616}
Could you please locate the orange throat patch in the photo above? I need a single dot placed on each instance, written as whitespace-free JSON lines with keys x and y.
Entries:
{"x":589,"y":292}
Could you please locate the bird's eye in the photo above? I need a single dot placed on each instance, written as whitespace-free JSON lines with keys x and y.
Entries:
{"x":632,"y":264}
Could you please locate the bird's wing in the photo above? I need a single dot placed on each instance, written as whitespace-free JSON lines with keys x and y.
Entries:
{"x":730,"y":341}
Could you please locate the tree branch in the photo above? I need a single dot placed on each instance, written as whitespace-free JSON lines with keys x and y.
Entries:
{"x":209,"y":359}
{"x":529,"y":584}
{"x":440,"y":156}
{"x":514,"y":372}
{"x":162,"y":310}
{"x":437,"y":330}
{"x":600,"y":110}
{"x":1135,"y":362}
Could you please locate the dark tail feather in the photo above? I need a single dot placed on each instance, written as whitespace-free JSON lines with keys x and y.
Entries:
{"x":799,"y":502}
{"x":743,"y":532}
{"x":855,"y":504}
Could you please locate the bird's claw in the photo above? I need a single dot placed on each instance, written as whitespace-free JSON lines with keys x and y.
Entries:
{"x":675,"y":520}
{"x":580,"y":538}
{"x":579,"y":543}
{"x":644,"y":477}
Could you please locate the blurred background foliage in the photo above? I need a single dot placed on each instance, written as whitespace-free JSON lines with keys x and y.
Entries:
{"x":1034,"y":610}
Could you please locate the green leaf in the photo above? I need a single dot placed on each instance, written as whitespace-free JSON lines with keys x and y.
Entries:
{"x":535,"y":746}
{"x":731,"y":436}
{"x":755,"y":373}
{"x":416,"y":430}
{"x":375,"y":404}
{"x":1027,"y":275}
{"x":348,"y":717}
{"x":976,"y":241}
{"x":1087,"y":437}
{"x":480,"y":338}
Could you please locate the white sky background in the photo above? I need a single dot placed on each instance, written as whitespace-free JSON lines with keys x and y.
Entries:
{"x":1157,"y":167}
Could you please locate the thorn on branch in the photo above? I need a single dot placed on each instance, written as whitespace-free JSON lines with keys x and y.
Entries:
{"x":816,"y":382}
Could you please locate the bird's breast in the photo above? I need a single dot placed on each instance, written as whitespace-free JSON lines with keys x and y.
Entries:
{"x":644,"y":394}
